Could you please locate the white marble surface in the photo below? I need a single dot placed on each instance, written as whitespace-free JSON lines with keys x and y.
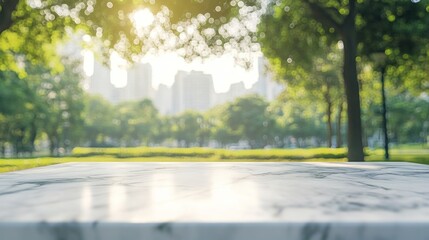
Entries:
{"x":223,"y":201}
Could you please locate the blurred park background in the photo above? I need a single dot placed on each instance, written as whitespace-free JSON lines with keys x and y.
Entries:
{"x":212,"y":80}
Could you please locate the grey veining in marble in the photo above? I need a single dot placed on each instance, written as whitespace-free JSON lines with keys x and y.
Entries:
{"x":223,"y":201}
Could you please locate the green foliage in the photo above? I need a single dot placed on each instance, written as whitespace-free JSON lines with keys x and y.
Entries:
{"x":291,"y":40}
{"x":248,"y":116}
{"x":303,"y":122}
{"x":186,"y":128}
{"x":135,"y":122}
{"x":42,"y":102}
{"x":221,"y":132}
{"x":294,"y":34}
{"x":398,"y":30}
{"x":194,"y":28}
{"x":407,"y":112}
{"x":163,"y":130}
{"x":409,"y":118}
{"x":64,"y":101}
{"x":99,"y":120}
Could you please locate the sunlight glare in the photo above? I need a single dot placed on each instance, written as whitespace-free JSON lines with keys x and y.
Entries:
{"x":142,"y":18}
{"x":88,"y":62}
{"x":118,"y":70}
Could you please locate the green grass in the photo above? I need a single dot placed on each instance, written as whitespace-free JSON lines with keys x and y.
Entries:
{"x":144,"y":154}
{"x":218,"y":154}
{"x":402,"y":154}
{"x":9,"y":165}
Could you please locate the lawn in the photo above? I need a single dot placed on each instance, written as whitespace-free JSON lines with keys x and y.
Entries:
{"x":144,"y":154}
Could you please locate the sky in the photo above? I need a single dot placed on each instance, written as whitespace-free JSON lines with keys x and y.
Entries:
{"x":223,"y":69}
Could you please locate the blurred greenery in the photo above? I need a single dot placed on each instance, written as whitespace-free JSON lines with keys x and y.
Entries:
{"x":63,"y":123}
{"x":262,"y":154}
{"x":297,"y":35}
{"x":322,"y":50}
{"x":416,"y":154}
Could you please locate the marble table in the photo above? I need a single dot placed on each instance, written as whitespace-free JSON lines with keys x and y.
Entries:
{"x":219,"y":201}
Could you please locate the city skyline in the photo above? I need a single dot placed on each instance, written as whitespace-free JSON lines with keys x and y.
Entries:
{"x":224,"y":69}
{"x":191,"y":90}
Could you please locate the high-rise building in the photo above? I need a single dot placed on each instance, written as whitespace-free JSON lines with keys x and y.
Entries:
{"x":139,"y":82}
{"x":138,"y":87}
{"x":163,"y":99}
{"x":192,"y":91}
{"x":100,"y":84}
{"x":235,"y":90}
{"x":266,"y":86}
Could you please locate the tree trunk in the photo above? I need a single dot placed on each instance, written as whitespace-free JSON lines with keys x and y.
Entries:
{"x":6,"y":11}
{"x":384,"y":113}
{"x":339,"y":123}
{"x":354,"y":126}
{"x":329,"y":115}
{"x":53,"y":145}
{"x":347,"y":28}
{"x":2,"y":149}
{"x":33,"y":135}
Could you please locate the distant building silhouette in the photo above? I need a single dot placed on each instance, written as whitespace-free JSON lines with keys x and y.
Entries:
{"x":235,"y":90}
{"x":139,"y":83}
{"x":100,"y":84}
{"x":190,"y":91}
{"x":266,"y":86}
{"x":164,"y":99}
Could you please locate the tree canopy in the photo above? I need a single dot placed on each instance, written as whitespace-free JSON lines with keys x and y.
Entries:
{"x":293,"y":35}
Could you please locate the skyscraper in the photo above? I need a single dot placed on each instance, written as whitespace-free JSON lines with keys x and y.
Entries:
{"x":192,"y":91}
{"x":100,"y":84}
{"x":163,"y":99}
{"x":139,"y":82}
{"x":266,"y":86}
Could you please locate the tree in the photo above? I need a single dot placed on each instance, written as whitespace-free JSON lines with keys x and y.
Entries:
{"x":314,"y":24}
{"x":99,"y":125}
{"x":19,"y":118}
{"x":186,"y":128}
{"x":136,"y":123}
{"x":41,"y":102}
{"x":221,"y":132}
{"x":399,"y":31}
{"x":162,"y":130}
{"x":302,"y":23}
{"x":320,"y":85}
{"x":144,"y":121}
{"x":63,"y":94}
{"x":301,"y":119}
{"x":249,"y":116}
{"x":188,"y":26}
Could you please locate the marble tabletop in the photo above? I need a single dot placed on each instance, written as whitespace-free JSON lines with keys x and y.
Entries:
{"x":222,"y":201}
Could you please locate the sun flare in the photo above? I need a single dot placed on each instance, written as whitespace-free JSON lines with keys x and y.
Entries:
{"x":142,"y":18}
